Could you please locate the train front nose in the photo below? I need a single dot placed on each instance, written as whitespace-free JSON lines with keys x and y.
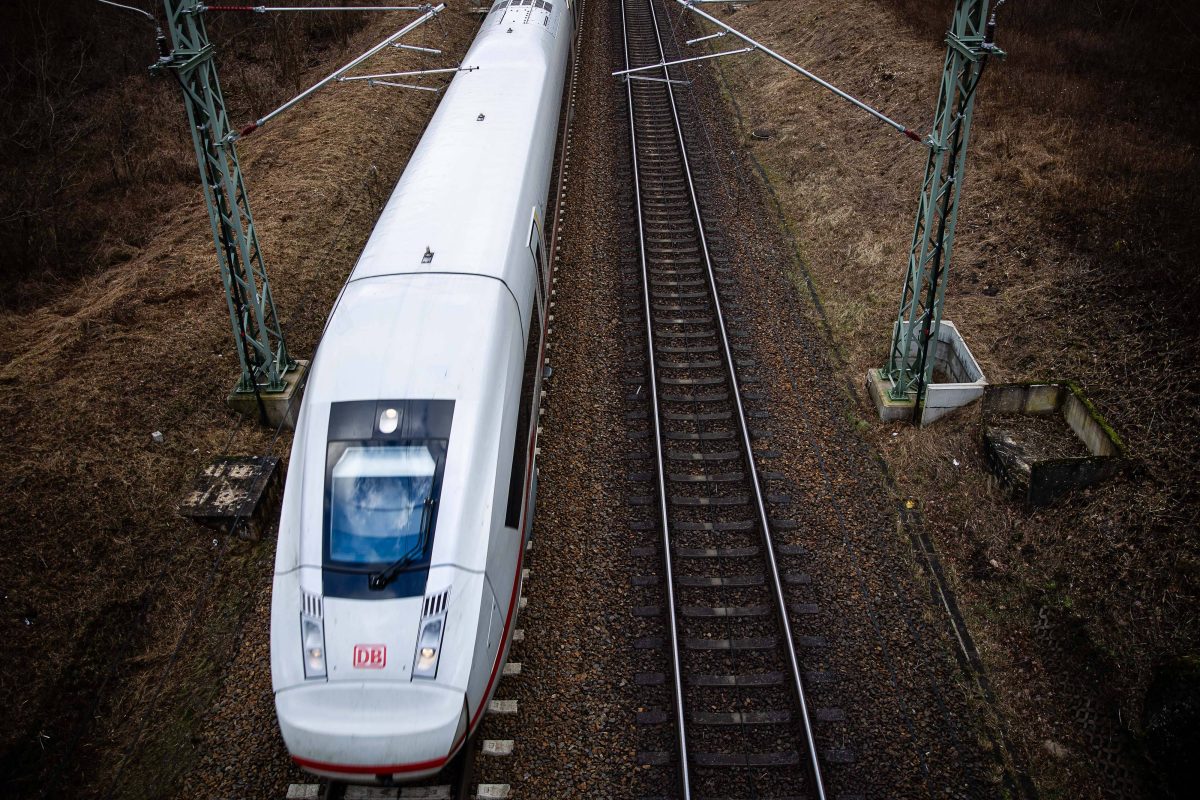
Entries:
{"x":363,"y":731}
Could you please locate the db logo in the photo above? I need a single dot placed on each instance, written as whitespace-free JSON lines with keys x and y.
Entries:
{"x":370,"y":656}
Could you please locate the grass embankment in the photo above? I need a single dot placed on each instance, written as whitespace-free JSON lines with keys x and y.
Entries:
{"x":119,"y":621}
{"x":1073,"y":258}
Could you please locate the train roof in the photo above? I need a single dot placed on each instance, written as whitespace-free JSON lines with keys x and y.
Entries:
{"x":467,"y":185}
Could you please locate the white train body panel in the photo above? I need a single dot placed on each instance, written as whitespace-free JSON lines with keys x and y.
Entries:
{"x":432,"y":329}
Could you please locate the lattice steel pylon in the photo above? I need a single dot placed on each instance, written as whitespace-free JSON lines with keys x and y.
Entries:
{"x":969,"y":45}
{"x":260,"y":343}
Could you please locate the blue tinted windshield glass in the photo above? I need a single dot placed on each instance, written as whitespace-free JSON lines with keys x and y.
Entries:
{"x":377,"y":503}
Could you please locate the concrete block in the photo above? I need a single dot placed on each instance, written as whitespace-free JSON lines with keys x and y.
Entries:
{"x":889,"y":408}
{"x":371,"y":793}
{"x":953,"y":359}
{"x":281,"y":408}
{"x":502,"y":707}
{"x":497,"y":747}
{"x":493,"y":791}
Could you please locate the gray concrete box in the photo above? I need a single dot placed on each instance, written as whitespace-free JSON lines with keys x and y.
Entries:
{"x":1041,"y":479}
{"x":281,"y":409}
{"x":966,"y":382}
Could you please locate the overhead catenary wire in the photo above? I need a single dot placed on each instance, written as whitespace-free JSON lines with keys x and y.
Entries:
{"x":690,"y":5}
{"x":421,"y":20}
{"x":268,"y":9}
{"x":134,"y":9}
{"x":677,"y":62}
{"x":730,"y":187}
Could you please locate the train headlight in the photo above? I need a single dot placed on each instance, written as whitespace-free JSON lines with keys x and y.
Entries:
{"x":312,"y":638}
{"x":429,"y":648}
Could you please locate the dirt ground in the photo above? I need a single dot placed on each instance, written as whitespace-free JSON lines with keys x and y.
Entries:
{"x":120,"y":617}
{"x":1072,"y":260}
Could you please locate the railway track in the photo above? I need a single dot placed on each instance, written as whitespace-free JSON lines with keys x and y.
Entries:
{"x":733,"y":695}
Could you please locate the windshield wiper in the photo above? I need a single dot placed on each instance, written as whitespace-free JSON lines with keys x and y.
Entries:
{"x":381,"y":579}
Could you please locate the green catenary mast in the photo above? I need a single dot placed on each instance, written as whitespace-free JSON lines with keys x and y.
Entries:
{"x":259,"y":339}
{"x":969,"y":45}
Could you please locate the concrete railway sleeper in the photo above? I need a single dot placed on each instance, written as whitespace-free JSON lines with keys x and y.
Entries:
{"x":741,"y":720}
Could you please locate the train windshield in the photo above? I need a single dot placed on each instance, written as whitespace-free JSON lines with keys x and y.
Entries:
{"x":384,"y":466}
{"x":380,"y":502}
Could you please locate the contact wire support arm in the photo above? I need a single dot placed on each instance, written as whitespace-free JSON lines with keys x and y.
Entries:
{"x":664,"y":64}
{"x":690,"y":5}
{"x":432,"y":12}
{"x":268,"y":9}
{"x":407,"y":74}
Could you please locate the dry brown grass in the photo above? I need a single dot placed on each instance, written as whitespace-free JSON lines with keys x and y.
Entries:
{"x":100,"y":577}
{"x":91,"y":151}
{"x":1074,"y":258}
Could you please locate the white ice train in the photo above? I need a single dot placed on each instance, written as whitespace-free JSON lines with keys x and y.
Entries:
{"x":411,"y":485}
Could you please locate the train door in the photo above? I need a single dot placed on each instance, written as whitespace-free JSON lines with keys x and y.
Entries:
{"x":541,"y":265}
{"x":504,"y":552}
{"x":537,"y":250}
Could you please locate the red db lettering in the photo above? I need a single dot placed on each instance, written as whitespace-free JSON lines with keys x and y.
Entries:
{"x":370,"y":656}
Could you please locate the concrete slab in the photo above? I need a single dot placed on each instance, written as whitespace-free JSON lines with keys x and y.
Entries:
{"x":235,"y":494}
{"x":498,"y":747}
{"x":502,"y":707}
{"x":889,"y":408}
{"x":955,"y":360}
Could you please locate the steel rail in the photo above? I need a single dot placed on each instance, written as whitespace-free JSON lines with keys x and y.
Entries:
{"x":660,"y":469}
{"x":744,"y":430}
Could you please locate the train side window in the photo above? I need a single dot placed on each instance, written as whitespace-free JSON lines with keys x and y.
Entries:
{"x":538,"y":251}
{"x":529,"y":387}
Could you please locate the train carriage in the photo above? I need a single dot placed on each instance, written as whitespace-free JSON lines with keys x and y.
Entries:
{"x":412,"y":479}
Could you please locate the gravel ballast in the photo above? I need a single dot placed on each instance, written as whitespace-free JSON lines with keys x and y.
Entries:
{"x":907,"y":729}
